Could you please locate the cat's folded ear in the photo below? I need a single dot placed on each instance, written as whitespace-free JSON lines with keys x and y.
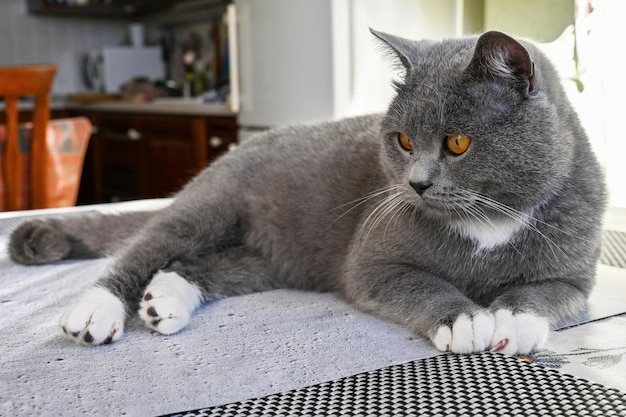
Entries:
{"x":403,"y":49}
{"x":499,"y":57}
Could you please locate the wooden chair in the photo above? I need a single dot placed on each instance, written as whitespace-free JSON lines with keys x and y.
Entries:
{"x":15,"y":83}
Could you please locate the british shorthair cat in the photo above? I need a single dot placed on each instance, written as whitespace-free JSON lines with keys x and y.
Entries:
{"x":470,"y":212}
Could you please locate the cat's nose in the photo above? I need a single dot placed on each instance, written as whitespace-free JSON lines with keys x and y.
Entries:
{"x":420,"y":186}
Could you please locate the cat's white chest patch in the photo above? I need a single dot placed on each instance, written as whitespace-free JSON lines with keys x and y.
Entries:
{"x":490,"y":234}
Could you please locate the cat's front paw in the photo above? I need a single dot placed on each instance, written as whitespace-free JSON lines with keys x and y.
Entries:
{"x":97,"y":318}
{"x":466,"y":334}
{"x":168,"y":303}
{"x":519,"y":333}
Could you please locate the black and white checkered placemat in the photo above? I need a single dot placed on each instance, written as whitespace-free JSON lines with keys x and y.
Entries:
{"x":446,"y":385}
{"x":613,"y":248}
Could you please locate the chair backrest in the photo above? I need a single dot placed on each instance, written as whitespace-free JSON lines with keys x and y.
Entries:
{"x":15,"y":83}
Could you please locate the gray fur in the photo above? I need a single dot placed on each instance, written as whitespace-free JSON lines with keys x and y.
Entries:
{"x":330,"y":206}
{"x":39,"y":242}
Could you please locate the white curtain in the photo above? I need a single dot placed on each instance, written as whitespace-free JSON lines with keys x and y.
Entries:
{"x":600,"y":39}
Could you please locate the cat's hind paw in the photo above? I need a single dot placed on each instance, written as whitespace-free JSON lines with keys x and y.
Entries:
{"x":168,"y":303}
{"x":519,"y":333}
{"x":97,"y":318}
{"x":466,"y":334}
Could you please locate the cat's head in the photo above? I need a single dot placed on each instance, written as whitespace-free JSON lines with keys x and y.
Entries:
{"x":477,"y":122}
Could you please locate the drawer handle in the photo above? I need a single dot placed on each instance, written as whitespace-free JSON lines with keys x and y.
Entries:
{"x":133,"y":134}
{"x":216,"y":141}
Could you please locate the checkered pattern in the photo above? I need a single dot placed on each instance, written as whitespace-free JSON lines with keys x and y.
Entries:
{"x":447,"y":385}
{"x":613,"y":248}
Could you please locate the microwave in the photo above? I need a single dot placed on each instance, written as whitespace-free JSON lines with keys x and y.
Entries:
{"x":107,"y":69}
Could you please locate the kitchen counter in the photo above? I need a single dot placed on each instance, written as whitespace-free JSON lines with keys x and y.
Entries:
{"x":171,"y":106}
{"x":162,"y":106}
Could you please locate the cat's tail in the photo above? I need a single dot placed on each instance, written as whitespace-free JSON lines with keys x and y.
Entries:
{"x":37,"y":242}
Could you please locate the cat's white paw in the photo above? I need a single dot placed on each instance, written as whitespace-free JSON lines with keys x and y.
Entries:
{"x":519,"y":333}
{"x":467,"y":334}
{"x":97,"y":318}
{"x":168,"y":303}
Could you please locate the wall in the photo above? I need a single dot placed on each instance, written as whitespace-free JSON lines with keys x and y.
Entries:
{"x":33,"y":39}
{"x":601,"y":104}
{"x":373,"y":68}
{"x":470,"y":16}
{"x":542,"y":20}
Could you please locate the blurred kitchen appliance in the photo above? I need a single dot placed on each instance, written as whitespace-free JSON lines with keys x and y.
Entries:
{"x":108,"y":68}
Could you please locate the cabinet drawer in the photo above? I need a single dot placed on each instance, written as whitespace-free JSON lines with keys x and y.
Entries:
{"x":120,"y":152}
{"x":152,"y":155}
{"x":170,"y":128}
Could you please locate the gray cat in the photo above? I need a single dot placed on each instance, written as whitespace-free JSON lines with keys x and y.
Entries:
{"x":470,"y":212}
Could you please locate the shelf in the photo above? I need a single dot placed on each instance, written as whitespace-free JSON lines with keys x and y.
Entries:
{"x":101,"y":8}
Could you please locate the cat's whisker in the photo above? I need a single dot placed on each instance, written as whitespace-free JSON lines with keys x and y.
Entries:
{"x":390,"y":213}
{"x":372,"y":221}
{"x":500,"y":207}
{"x":466,"y":207}
{"x":459,"y":214}
{"x":406,"y":210}
{"x":414,"y":214}
{"x":372,"y":215}
{"x":524,"y":219}
{"x":388,"y":208}
{"x":362,"y":200}
{"x":399,"y":211}
{"x":525,"y":225}
{"x":526,"y":216}
{"x":479,"y":215}
{"x":370,"y":195}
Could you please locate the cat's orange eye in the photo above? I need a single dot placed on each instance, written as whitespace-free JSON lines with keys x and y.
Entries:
{"x":405,"y":142}
{"x":458,"y":144}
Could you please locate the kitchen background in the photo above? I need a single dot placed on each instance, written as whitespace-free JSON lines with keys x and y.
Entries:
{"x":326,"y":43}
{"x":33,"y":39}
{"x":63,"y":31}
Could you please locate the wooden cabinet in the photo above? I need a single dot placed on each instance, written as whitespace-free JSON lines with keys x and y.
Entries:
{"x":134,"y":156}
